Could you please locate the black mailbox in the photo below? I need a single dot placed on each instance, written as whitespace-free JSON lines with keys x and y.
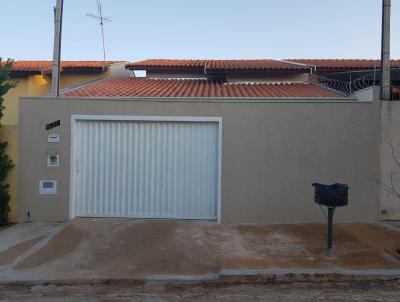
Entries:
{"x":333,"y":196}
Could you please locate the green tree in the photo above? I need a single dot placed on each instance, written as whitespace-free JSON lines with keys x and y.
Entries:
{"x":5,"y":162}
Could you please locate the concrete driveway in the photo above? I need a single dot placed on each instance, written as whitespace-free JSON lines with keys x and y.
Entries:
{"x":120,"y":249}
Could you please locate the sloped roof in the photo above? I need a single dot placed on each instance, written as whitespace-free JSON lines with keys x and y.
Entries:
{"x":347,"y":64}
{"x":215,"y":65}
{"x":141,"y":87}
{"x":40,"y":67}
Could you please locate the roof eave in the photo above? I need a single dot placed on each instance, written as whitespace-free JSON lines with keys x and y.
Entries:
{"x":338,"y":99}
{"x":24,"y":73}
{"x":184,"y":69}
{"x":259,"y":70}
{"x":76,"y":70}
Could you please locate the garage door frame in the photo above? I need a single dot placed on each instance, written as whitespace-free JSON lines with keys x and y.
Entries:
{"x":76,"y":118}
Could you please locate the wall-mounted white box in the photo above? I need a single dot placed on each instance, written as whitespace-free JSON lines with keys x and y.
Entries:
{"x":53,"y":160}
{"x":48,"y":187}
{"x":53,"y":138}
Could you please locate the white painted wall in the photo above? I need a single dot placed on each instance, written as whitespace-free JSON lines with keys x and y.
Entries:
{"x":118,"y":70}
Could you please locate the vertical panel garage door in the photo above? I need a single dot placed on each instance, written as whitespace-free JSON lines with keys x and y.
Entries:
{"x":146,"y":169}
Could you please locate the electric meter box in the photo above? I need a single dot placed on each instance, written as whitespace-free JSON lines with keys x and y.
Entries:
{"x":48,"y":187}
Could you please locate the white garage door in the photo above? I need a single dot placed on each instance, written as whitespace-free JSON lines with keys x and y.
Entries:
{"x":146,"y":169}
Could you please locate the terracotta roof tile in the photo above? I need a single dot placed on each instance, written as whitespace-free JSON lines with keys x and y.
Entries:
{"x":45,"y":66}
{"x":344,"y":63}
{"x":216,"y":65}
{"x":136,"y":87}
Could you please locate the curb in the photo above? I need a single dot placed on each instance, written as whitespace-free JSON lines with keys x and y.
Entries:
{"x":225,"y":277}
{"x":388,"y":226}
{"x":287,"y":276}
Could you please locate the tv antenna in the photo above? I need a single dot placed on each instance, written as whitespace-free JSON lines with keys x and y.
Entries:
{"x":99,"y":17}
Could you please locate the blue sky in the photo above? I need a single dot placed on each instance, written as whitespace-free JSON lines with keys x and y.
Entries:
{"x":199,"y":29}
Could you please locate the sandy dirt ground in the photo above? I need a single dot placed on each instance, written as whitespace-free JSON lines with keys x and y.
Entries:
{"x":118,"y":249}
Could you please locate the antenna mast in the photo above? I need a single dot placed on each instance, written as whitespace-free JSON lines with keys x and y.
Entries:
{"x":99,"y":17}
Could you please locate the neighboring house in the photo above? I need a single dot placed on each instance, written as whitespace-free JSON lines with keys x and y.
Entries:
{"x":236,"y":141}
{"x":34,"y":79}
{"x":225,"y":70}
{"x":347,"y":75}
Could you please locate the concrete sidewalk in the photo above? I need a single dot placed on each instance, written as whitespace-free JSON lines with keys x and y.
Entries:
{"x":98,"y":250}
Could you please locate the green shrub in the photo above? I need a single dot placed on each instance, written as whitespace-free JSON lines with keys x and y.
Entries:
{"x":5,"y":162}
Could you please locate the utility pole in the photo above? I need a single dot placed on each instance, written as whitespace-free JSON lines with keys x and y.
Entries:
{"x":55,"y":76}
{"x":385,"y":52}
{"x":99,"y":17}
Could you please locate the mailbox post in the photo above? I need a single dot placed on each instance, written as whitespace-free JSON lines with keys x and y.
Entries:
{"x":331,"y":196}
{"x":330,"y":230}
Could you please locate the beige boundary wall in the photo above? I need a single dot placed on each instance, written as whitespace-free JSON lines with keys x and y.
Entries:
{"x":389,"y":170}
{"x":272,"y":151}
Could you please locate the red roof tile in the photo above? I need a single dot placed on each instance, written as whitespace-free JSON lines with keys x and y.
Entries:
{"x":135,"y":87}
{"x":38,"y":67}
{"x":216,"y":65}
{"x":344,"y":63}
